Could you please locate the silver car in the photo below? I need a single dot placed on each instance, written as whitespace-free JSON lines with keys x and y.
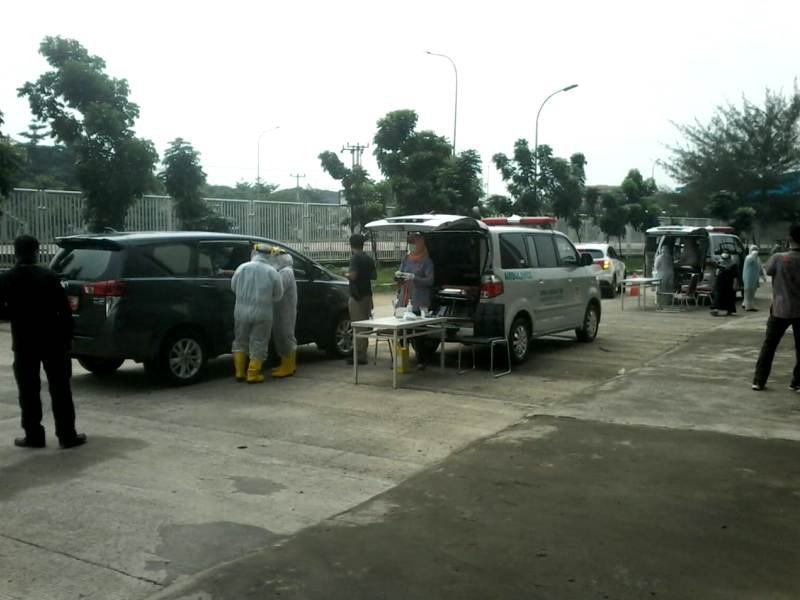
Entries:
{"x":509,"y":281}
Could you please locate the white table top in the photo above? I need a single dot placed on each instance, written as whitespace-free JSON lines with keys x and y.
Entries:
{"x":398,"y":323}
{"x":642,"y":280}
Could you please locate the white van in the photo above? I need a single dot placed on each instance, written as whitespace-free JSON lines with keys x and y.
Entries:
{"x":510,"y":281}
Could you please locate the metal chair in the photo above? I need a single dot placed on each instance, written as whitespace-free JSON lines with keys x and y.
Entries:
{"x":488,"y":331}
{"x":683,"y":297}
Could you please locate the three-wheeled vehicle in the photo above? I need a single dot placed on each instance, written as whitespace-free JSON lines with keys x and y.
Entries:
{"x":696,"y":252}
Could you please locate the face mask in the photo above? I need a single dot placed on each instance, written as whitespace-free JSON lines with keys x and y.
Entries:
{"x":412,"y":248}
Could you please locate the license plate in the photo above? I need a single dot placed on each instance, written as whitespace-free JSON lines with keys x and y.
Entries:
{"x":74,"y":301}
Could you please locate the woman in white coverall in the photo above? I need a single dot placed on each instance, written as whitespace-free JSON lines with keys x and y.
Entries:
{"x":257,"y":287}
{"x":285,"y":314}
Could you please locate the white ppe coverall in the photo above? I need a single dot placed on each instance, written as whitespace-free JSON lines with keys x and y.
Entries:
{"x":665,"y":271}
{"x":257,"y":287}
{"x":286,"y":307}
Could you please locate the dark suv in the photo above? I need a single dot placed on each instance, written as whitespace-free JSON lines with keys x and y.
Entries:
{"x":164,"y":299}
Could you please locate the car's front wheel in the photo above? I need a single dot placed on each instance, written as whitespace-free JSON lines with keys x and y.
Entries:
{"x":591,"y":323}
{"x":100,"y":366}
{"x":182,"y":358}
{"x":339,"y":341}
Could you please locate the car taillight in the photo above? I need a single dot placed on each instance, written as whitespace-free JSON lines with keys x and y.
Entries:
{"x":491,"y":286}
{"x":603,"y":263}
{"x":108,"y":289}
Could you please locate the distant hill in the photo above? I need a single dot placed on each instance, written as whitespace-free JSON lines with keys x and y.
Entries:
{"x":246,"y":191}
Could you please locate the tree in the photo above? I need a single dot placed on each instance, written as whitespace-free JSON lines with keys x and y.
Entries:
{"x":11,"y":163}
{"x":518,"y":174}
{"x":743,"y":220}
{"x":613,"y":217}
{"x":362,"y":194}
{"x":185,"y":180}
{"x":746,"y":151}
{"x":35,"y":134}
{"x":420,"y":168}
{"x":499,"y":206}
{"x":91,"y":114}
{"x":643,"y":210}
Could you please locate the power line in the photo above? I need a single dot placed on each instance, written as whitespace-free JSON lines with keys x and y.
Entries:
{"x":355,"y":150}
{"x":297,"y":185}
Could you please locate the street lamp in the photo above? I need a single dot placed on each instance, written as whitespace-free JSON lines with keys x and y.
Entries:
{"x":455,"y":107}
{"x":536,"y":140}
{"x":653,"y":169}
{"x":258,"y":159}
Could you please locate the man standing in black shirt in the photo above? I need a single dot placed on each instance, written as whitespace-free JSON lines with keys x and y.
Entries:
{"x":31,"y":297}
{"x":360,"y":273}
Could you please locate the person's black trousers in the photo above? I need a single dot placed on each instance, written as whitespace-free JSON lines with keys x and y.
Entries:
{"x":58,"y":368}
{"x":776,"y":327}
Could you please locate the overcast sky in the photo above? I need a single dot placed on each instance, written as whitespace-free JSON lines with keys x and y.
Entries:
{"x":220,"y":73}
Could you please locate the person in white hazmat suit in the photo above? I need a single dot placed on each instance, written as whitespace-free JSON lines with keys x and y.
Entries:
{"x":664,"y":269}
{"x":257,"y":287}
{"x":285,"y":314}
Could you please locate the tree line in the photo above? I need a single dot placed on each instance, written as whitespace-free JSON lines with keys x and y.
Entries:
{"x":741,"y":167}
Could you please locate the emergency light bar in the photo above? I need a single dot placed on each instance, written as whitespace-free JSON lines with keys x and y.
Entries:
{"x":535,"y":221}
{"x":720,"y":228}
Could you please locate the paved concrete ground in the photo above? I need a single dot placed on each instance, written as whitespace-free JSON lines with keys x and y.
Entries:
{"x":451,"y":487}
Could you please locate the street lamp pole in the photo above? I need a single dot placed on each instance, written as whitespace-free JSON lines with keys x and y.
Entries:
{"x":455,"y":107}
{"x":258,"y":159}
{"x":536,"y":140}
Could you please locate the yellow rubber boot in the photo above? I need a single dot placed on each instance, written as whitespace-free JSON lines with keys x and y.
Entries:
{"x":254,"y":371}
{"x":240,"y":364}
{"x":287,"y":366}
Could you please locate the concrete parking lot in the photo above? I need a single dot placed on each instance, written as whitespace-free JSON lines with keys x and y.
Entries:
{"x":641,"y":465}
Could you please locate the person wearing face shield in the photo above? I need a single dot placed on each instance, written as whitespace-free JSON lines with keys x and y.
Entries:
{"x":285,"y":314}
{"x":257,"y":287}
{"x":415,"y":279}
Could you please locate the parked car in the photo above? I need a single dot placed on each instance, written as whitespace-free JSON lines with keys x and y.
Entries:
{"x":164,"y":299}
{"x":695,"y":251}
{"x":608,"y":266}
{"x":509,"y":281}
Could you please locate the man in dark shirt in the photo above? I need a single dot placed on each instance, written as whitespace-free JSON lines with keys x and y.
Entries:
{"x":31,"y":297}
{"x":360,"y":273}
{"x":784,"y":268}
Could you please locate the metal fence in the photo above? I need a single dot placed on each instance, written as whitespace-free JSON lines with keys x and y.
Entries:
{"x":316,"y":230}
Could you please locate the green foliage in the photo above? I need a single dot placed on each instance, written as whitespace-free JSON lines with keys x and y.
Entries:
{"x":421,"y":169}
{"x":614,"y":216}
{"x":555,"y":187}
{"x":47,"y":167}
{"x":518,"y":174}
{"x":638,"y":192}
{"x":498,"y":206}
{"x":185,"y":180}
{"x":745,"y":151}
{"x":11,"y":163}
{"x":743,"y":220}
{"x":91,"y":114}
{"x":365,"y":198}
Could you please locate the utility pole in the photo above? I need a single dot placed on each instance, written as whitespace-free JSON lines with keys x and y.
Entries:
{"x":355,"y":150}
{"x":297,"y":186}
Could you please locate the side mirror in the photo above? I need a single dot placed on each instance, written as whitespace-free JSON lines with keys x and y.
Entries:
{"x":314,"y":272}
{"x":586,"y":259}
